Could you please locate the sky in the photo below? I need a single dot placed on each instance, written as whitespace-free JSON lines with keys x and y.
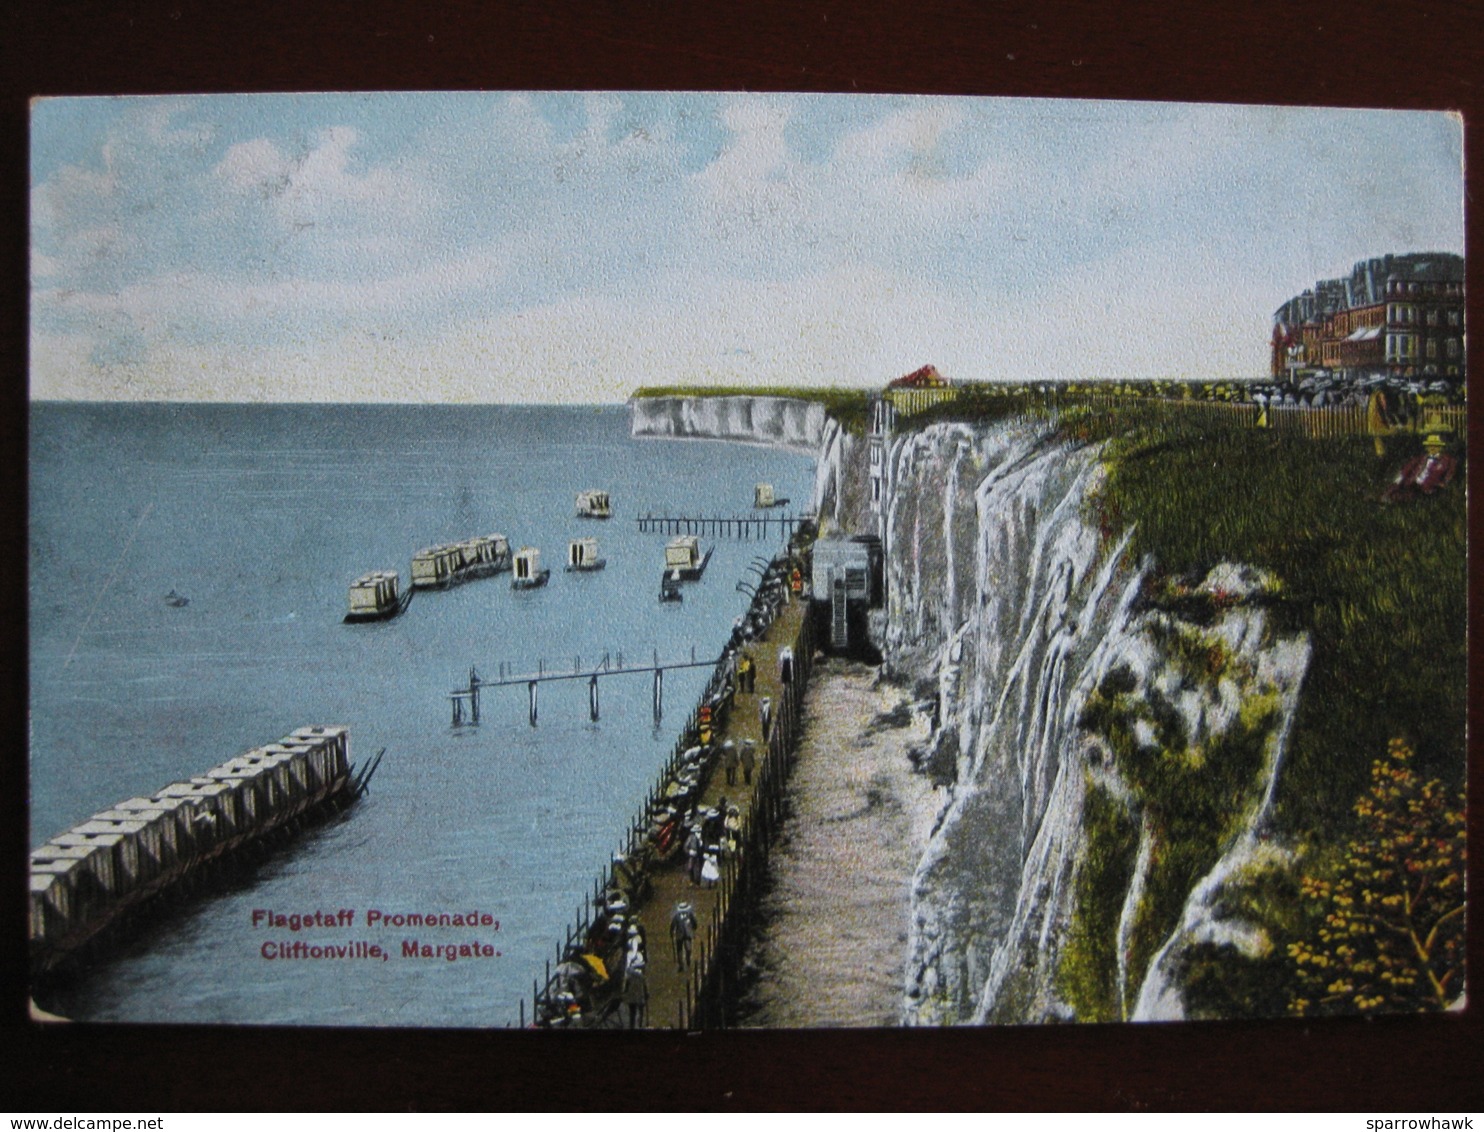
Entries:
{"x":570,"y":247}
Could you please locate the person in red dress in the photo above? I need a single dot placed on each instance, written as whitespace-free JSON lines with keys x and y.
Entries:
{"x":1423,"y":475}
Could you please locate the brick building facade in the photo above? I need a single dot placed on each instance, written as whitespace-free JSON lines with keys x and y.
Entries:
{"x":1396,"y":316}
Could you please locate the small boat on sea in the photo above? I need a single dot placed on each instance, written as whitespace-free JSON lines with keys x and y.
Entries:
{"x":594,"y":505}
{"x":176,"y":601}
{"x":582,"y":555}
{"x":684,"y":561}
{"x":670,"y":589}
{"x":763,"y":497}
{"x":374,"y":597}
{"x":528,"y":573}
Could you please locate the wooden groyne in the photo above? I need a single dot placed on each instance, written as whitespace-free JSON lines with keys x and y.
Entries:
{"x":86,"y":879}
{"x":583,"y":986}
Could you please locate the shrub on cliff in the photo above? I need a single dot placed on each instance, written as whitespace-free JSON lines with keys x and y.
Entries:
{"x":1392,"y":936}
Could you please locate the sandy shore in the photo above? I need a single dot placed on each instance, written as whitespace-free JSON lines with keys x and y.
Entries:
{"x":834,"y":916}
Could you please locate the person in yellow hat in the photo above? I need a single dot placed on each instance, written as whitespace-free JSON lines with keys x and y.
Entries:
{"x":1425,"y":474}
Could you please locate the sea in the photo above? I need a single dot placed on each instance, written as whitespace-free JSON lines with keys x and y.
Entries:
{"x":260,"y":517}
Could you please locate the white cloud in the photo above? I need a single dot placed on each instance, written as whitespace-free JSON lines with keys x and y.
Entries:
{"x":256,"y":166}
{"x":485,"y":251}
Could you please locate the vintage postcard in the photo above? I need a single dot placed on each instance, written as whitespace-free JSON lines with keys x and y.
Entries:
{"x":723,"y":560}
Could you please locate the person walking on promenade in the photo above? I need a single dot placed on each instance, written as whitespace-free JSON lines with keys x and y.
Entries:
{"x":749,"y":760}
{"x":682,"y":932}
{"x":749,"y":674}
{"x":729,"y":761}
{"x":693,"y":845}
{"x":635,"y":996}
{"x":634,"y":954}
{"x":765,"y":714}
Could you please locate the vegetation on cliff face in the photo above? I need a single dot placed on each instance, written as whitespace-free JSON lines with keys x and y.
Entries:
{"x":1381,"y":591}
{"x":1087,"y":969}
{"x":1391,"y":935}
{"x":1193,"y":793}
{"x":850,"y":407}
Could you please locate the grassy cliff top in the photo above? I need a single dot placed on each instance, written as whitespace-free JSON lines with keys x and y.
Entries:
{"x":1380,"y":587}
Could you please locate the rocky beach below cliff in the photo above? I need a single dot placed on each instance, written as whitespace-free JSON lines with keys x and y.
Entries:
{"x":834,"y":918}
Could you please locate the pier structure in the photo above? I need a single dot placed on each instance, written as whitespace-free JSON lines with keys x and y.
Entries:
{"x":465,"y":701}
{"x":650,"y":876}
{"x":758,"y":527}
{"x":85,"y":879}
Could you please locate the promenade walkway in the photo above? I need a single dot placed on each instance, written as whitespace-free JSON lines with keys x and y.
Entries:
{"x":643,"y":887}
{"x":693,"y":996}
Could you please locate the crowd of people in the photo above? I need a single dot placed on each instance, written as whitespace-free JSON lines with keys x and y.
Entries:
{"x":602,"y":978}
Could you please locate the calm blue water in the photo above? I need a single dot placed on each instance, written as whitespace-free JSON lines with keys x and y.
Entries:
{"x":262,"y":515}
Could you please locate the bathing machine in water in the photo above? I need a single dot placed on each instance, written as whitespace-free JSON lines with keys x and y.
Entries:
{"x":684,"y":561}
{"x":594,"y":505}
{"x":375,"y":597}
{"x":763,"y":496}
{"x":582,"y":555}
{"x":528,"y":573}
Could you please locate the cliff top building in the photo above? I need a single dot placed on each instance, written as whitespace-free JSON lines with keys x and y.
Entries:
{"x":918,"y":390}
{"x":1394,"y":317}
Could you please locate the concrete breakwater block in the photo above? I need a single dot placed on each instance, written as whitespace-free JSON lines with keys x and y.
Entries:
{"x":85,"y":876}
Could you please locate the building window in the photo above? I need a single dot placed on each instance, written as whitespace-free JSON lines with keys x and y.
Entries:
{"x":1432,"y":317}
{"x":1452,"y":318}
{"x":1453,"y":347}
{"x":1432,"y":347}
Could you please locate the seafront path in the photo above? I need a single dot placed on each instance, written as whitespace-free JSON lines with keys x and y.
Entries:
{"x":680,"y":997}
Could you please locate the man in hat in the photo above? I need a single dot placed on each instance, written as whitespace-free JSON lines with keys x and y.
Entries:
{"x":682,"y":932}
{"x":693,"y":846}
{"x":729,"y":761}
{"x":765,"y":716}
{"x":749,"y":760}
{"x":635,"y":995}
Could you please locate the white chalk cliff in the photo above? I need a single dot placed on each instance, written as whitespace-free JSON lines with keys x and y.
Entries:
{"x":1086,"y":715}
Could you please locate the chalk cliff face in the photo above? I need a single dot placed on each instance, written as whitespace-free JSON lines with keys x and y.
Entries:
{"x":1107,"y":748}
{"x":786,"y":422}
{"x":1108,"y":739}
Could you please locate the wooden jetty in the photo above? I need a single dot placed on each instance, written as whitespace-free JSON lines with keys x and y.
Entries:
{"x":647,"y":881}
{"x":758,"y":526}
{"x":465,"y":700}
